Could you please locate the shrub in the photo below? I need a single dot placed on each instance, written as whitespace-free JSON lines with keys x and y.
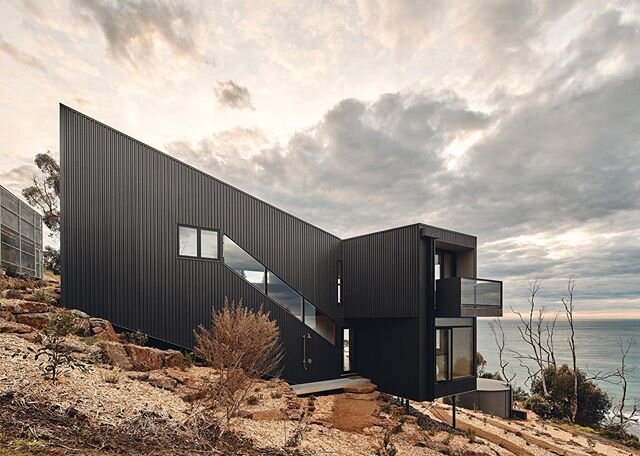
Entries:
{"x":243,"y":346}
{"x":593,"y":403}
{"x":56,"y":358}
{"x":112,"y":376}
{"x":613,"y":431}
{"x":519,"y":394}
{"x":253,"y":400}
{"x":135,"y":337}
{"x":11,"y":271}
{"x":276,"y":395}
{"x":41,"y":296}
{"x":539,"y":405}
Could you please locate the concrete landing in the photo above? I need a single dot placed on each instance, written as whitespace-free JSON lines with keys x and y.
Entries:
{"x":325,"y":386}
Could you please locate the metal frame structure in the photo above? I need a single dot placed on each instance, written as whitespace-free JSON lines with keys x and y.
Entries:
{"x":122,"y":202}
{"x":21,"y":228}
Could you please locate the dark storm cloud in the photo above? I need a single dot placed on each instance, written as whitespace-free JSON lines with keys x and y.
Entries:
{"x":131,"y":27}
{"x":232,"y":95}
{"x":20,"y":56}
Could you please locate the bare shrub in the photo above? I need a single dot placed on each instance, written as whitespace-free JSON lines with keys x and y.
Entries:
{"x":135,"y":338}
{"x":112,"y":376}
{"x":55,"y":356}
{"x":243,"y":346}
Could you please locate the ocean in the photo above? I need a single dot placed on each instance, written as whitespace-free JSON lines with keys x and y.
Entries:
{"x":596,"y":346}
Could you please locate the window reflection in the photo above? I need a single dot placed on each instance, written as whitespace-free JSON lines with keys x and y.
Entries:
{"x":442,"y":354}
{"x":244,"y":264}
{"x":188,"y":241}
{"x":284,"y":295}
{"x":208,"y":244}
{"x":319,"y":322}
{"x":462,"y":352}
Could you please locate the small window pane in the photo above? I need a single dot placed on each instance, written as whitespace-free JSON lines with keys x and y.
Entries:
{"x":284,"y":295}
{"x":26,"y":229}
{"x":208,"y":244}
{"x":28,"y":261}
{"x":319,"y":322}
{"x":462,"y":352}
{"x":10,"y":237}
{"x":243,"y":263}
{"x":26,"y":213}
{"x":188,"y":241}
{"x":9,"y":201}
{"x":442,"y":354}
{"x":27,"y":246}
{"x":10,"y":219}
{"x":10,"y":254}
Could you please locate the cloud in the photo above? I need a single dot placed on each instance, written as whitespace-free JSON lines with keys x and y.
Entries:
{"x":548,"y":180}
{"x":231,"y":95}
{"x":20,"y":56}
{"x":135,"y":30}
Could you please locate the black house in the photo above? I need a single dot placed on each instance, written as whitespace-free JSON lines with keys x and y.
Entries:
{"x":152,"y":244}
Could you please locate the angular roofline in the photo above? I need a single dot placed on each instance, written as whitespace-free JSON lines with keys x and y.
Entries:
{"x":20,"y":198}
{"x":62,"y":105}
{"x":164,"y":154}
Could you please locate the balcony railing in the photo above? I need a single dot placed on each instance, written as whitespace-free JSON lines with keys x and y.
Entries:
{"x":468,"y":297}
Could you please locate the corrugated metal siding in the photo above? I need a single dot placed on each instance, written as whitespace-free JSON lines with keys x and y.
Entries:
{"x":121,"y":204}
{"x":381,"y":274}
{"x":449,"y":237}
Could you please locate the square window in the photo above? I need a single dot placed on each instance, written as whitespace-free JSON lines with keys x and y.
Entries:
{"x":208,"y":244}
{"x":187,"y":241}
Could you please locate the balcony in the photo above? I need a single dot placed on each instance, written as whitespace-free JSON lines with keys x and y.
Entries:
{"x":464,"y":297}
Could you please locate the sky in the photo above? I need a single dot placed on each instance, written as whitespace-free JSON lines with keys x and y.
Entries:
{"x":515,"y":121}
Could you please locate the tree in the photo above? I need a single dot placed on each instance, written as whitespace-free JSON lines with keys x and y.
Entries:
{"x":51,"y":259}
{"x":593,"y":403}
{"x":498,"y":336}
{"x":57,"y":357}
{"x":567,"y":302}
{"x":243,"y":346}
{"x":623,"y":373}
{"x":44,"y":191}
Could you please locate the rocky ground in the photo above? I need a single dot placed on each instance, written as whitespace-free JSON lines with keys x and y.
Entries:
{"x":125,"y":398}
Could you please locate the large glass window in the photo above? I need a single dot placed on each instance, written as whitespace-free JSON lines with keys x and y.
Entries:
{"x":284,"y":295}
{"x":10,"y":254}
{"x":10,"y":237}
{"x":209,"y":244}
{"x":319,"y":322}
{"x":462,"y":352}
{"x":9,"y":201}
{"x":442,"y":354}
{"x":454,"y":348}
{"x":187,"y":241}
{"x":244,"y":264}
{"x":10,"y":219}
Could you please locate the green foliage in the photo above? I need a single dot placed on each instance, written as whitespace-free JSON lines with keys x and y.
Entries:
{"x":519,"y":394}
{"x":135,"y":337}
{"x":51,"y":259}
{"x":593,"y":403}
{"x":492,"y":376}
{"x":613,"y":431}
{"x":481,"y":363}
{"x":55,"y":357}
{"x":41,"y":296}
{"x":44,"y":191}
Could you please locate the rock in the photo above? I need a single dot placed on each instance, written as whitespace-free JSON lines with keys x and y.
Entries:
{"x":162,"y":381}
{"x":7,"y":315}
{"x":360,"y":389}
{"x":34,"y":337}
{"x":14,"y":328}
{"x":115,"y":354}
{"x":79,"y":314}
{"x":98,"y":322}
{"x":177,"y":375}
{"x":363,"y":396}
{"x":140,"y":376}
{"x":75,"y":346}
{"x":189,"y":394}
{"x":35,"y":320}
{"x":82,"y":327}
{"x":21,"y":306}
{"x":144,"y":358}
{"x":107,"y":333}
{"x":173,"y":358}
{"x":243,"y":414}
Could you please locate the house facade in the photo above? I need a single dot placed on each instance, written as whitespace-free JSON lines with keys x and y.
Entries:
{"x":153,"y":244}
{"x":21,"y":236}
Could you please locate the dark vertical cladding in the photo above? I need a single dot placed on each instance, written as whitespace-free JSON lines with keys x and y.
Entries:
{"x":121,"y":204}
{"x":381,"y":274}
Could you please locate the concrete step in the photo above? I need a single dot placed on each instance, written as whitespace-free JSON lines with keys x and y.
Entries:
{"x":303,"y":389}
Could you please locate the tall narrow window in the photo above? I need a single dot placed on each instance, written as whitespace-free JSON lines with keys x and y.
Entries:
{"x":187,"y":241}
{"x":339,"y":278}
{"x":462,"y":352}
{"x":319,"y":322}
{"x":442,"y":354}
{"x":209,"y":244}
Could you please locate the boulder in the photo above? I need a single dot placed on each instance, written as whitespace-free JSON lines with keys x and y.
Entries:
{"x":14,"y":328}
{"x":34,"y":337}
{"x":189,"y":394}
{"x":140,"y":376}
{"x":79,"y":314}
{"x":115,"y":354}
{"x":162,"y":381}
{"x":82,"y":327}
{"x":360,"y":389}
{"x":144,"y":358}
{"x":75,"y":346}
{"x":98,"y":322}
{"x":7,"y":315}
{"x":106,"y":333}
{"x":21,"y":306}
{"x":35,"y":320}
{"x":173,"y":358}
